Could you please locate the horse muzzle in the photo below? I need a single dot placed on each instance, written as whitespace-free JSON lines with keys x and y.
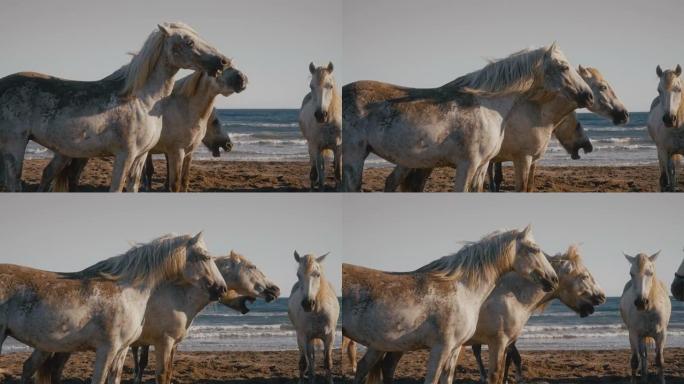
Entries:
{"x":641,"y":303}
{"x":620,"y":116}
{"x":240,"y":83}
{"x":321,"y":116}
{"x":217,"y":290}
{"x":308,"y":305}
{"x":271,"y":293}
{"x":670,"y":120}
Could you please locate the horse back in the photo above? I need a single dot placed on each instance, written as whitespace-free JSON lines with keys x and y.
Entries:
{"x":55,"y":93}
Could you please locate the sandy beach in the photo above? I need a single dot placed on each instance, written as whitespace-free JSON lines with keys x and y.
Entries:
{"x":258,"y":176}
{"x":281,"y":367}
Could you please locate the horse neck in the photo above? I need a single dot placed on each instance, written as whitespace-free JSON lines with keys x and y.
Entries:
{"x":202,"y":102}
{"x":554,"y":109}
{"x":159,"y":83}
{"x":483,"y":288}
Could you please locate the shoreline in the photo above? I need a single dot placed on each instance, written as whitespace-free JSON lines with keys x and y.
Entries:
{"x":281,"y":367}
{"x":293,"y":176}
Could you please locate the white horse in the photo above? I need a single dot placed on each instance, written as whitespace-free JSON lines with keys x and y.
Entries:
{"x":677,"y":287}
{"x":531,"y":123}
{"x":118,"y":116}
{"x":186,"y":114}
{"x":666,"y":124}
{"x":320,"y":120}
{"x":508,"y":308}
{"x":313,"y":309}
{"x":101,"y":308}
{"x":169,"y":314}
{"x":459,"y":124}
{"x":437,"y":306}
{"x":645,"y":308}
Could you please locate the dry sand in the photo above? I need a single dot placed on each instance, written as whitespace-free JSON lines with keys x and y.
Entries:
{"x":238,"y":176}
{"x":281,"y":367}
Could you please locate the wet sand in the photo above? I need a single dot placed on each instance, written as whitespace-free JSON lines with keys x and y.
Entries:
{"x":549,"y":179}
{"x":281,"y":367}
{"x":239,"y":176}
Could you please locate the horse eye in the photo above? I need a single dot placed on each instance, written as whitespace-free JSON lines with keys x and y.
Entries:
{"x":189,"y":43}
{"x":603,"y":88}
{"x":564,"y":68}
{"x":677,"y":90}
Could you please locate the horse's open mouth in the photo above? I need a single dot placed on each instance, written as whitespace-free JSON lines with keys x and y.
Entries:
{"x":271,"y":293}
{"x":243,"y":303}
{"x":586,"y":309}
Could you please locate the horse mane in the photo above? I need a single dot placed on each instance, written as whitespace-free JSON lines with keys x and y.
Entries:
{"x":136,"y":73}
{"x":189,"y":85}
{"x":477,"y":261}
{"x":513,"y":74}
{"x":161,"y":258}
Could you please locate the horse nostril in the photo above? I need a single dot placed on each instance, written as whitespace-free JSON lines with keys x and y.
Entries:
{"x":224,"y":62}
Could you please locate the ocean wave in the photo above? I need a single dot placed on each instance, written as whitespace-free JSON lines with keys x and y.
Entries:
{"x":235,"y":124}
{"x":250,"y":314}
{"x":614,"y":129}
{"x":270,"y":142}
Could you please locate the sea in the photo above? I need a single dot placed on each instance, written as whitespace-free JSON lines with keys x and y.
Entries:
{"x":274,"y":135}
{"x":267,"y":328}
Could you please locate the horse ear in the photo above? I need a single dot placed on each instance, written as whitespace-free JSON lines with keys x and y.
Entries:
{"x":581,"y":69}
{"x":296,"y":256}
{"x":312,"y":68}
{"x":164,"y":29}
{"x":629,"y":258}
{"x":659,"y":71}
{"x":198,"y":237}
{"x":654,"y":257}
{"x":551,"y":48}
{"x":320,"y":258}
{"x":678,"y":70}
{"x":526,"y":232}
{"x":233,"y":254}
{"x":330,"y":67}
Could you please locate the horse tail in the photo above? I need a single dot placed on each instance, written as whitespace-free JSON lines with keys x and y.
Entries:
{"x":375,"y":372}
{"x":61,"y":183}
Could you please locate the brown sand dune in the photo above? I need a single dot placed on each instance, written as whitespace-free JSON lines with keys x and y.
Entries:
{"x":281,"y":367}
{"x":238,"y":176}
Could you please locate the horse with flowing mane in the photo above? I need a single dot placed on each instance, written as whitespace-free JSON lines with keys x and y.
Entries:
{"x":48,"y":310}
{"x":117,"y":116}
{"x":460,"y":124}
{"x":440,"y":302}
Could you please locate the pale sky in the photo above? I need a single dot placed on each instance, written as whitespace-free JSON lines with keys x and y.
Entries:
{"x":402,"y":233}
{"x":427,"y":43}
{"x":271,"y":41}
{"x":61,"y":232}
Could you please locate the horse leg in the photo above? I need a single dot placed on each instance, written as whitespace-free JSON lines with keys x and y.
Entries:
{"x":185,"y":172}
{"x":522,"y":171}
{"x":672,"y":167}
{"x":310,"y":352}
{"x":54,"y":168}
{"x":169,"y":368}
{"x":117,"y":367}
{"x":162,"y":352}
{"x":301,"y":343}
{"x":14,"y":164}
{"x":327,"y":356}
{"x":530,"y":177}
{"x":634,"y":360}
{"x":350,"y":349}
{"x":477,"y":351}
{"x":68,"y":179}
{"x":465,"y":171}
{"x":320,"y":165}
{"x":663,"y":161}
{"x":517,"y":360}
{"x":659,"y":358}
{"x":313,"y":173}
{"x":479,"y":178}
{"x":496,"y":360}
{"x":32,"y":364}
{"x":122,"y":166}
{"x":147,"y":174}
{"x":337,"y":164}
{"x":490,"y":176}
{"x":355,"y":155}
{"x":643,"y":360}
{"x":498,"y":176}
{"x":133,"y":183}
{"x":416,"y":180}
{"x":447,"y":376}
{"x":56,"y":366}
{"x":396,"y":177}
{"x":103,"y":361}
{"x":389,"y":366}
{"x":437,"y":360}
{"x":369,"y":361}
